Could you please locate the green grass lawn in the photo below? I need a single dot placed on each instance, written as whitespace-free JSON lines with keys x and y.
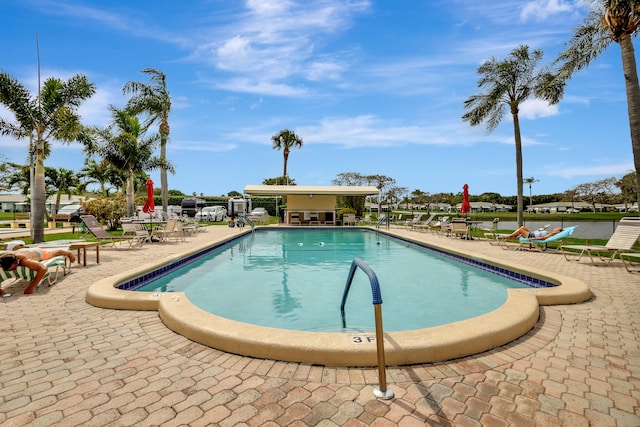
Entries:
{"x":487,"y":216}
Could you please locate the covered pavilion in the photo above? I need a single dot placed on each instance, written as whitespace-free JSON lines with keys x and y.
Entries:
{"x":310,"y":204}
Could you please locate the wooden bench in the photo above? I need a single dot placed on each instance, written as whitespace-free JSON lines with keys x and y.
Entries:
{"x":61,"y":217}
{"x":23,"y":217}
{"x":65,"y":219}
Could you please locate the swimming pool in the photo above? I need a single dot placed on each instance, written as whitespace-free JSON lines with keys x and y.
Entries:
{"x":294,"y":279}
{"x":508,"y":322}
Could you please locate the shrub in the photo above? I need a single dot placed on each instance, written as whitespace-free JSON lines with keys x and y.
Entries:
{"x":107,"y":210}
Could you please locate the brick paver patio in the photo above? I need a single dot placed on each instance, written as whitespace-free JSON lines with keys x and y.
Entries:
{"x":65,"y":362}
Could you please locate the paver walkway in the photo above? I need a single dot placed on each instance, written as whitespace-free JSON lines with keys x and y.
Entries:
{"x":65,"y":362}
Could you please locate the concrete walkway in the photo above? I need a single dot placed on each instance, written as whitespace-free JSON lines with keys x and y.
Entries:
{"x":64,"y":362}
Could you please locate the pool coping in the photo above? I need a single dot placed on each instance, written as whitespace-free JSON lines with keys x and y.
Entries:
{"x":510,"y":321}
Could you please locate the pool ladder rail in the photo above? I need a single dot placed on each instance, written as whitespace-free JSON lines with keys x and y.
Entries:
{"x":248,"y":220}
{"x":385,"y":218}
{"x":381,"y":391}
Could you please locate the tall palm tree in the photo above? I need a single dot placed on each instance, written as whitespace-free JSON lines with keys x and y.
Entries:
{"x":154,"y":100}
{"x":52,"y":114}
{"x":125,"y":147}
{"x":285,"y":140}
{"x":611,"y":21}
{"x":508,"y":84}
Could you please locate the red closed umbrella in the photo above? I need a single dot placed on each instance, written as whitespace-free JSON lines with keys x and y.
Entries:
{"x":466,"y":207}
{"x":149,"y":206}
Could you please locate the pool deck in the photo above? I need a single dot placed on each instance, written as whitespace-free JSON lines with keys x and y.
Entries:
{"x":65,"y":362}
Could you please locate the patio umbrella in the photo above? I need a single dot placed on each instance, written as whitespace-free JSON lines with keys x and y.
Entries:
{"x":149,"y":206}
{"x":466,"y":207}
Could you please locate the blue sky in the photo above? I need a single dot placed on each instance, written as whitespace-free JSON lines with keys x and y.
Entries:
{"x":371,"y":86}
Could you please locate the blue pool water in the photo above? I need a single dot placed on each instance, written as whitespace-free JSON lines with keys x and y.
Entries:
{"x":294,"y":279}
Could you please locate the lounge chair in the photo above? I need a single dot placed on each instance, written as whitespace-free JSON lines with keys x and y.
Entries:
{"x":490,"y":233}
{"x":295,"y":218}
{"x":631,"y":261}
{"x":94,"y":227}
{"x":55,"y":266}
{"x":417,"y":219}
{"x":623,"y":238}
{"x":422,"y":225}
{"x":442,"y":224}
{"x":542,"y":244}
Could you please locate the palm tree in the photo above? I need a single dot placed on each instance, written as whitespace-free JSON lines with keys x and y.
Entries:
{"x":129,"y":150}
{"x":285,"y":139}
{"x":62,"y":181}
{"x":509,"y":83}
{"x":154,"y":100}
{"x":51,"y":115}
{"x":611,"y":21}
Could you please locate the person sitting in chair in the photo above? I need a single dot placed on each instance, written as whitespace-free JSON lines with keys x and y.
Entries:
{"x":30,"y":258}
{"x":539,"y":234}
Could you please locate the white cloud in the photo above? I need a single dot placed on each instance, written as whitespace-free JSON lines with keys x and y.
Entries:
{"x":536,"y":108}
{"x":590,"y":171}
{"x":247,"y":85}
{"x":540,"y":10}
{"x":273,"y":41}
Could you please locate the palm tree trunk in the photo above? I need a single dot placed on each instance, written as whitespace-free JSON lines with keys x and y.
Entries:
{"x":39,"y":198}
{"x":633,"y":102}
{"x":518,"y":137}
{"x":286,"y":157}
{"x":130,"y":195}
{"x":164,"y":185}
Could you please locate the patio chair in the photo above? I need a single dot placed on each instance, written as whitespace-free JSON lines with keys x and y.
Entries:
{"x":459,"y":227}
{"x":349,"y":219}
{"x":623,"y":238}
{"x":172,"y":229}
{"x":295,"y":218}
{"x":135,"y":230}
{"x":93,"y":226}
{"x":365,"y":220}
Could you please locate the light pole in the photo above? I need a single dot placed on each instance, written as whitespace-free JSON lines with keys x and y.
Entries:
{"x":530,"y":181}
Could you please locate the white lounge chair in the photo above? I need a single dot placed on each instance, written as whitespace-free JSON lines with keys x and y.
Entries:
{"x":631,"y":261}
{"x":623,"y":238}
{"x":490,"y":232}
{"x":422,"y":225}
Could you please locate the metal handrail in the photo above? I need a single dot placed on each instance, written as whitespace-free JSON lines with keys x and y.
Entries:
{"x":246,"y":218}
{"x":381,"y":391}
{"x":385,"y":218}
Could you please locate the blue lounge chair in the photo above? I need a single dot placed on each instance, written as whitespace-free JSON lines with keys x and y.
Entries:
{"x":542,"y":244}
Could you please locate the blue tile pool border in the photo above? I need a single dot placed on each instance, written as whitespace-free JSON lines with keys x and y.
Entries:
{"x":533,"y":282}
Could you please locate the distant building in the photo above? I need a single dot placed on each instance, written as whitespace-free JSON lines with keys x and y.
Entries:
{"x":19,"y":202}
